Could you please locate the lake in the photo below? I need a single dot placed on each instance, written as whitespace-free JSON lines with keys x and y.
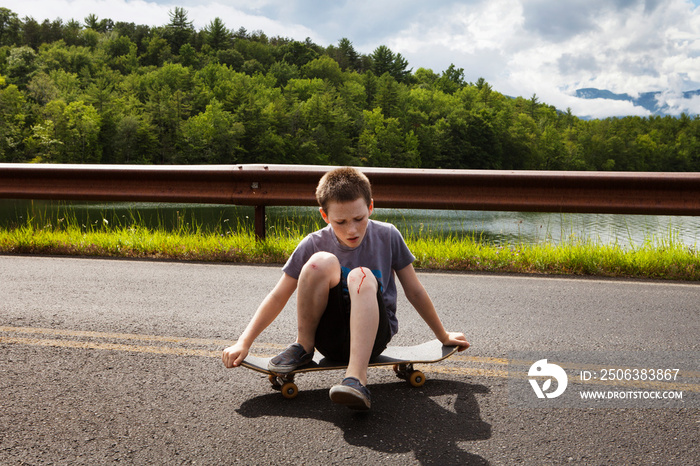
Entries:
{"x":493,"y":227}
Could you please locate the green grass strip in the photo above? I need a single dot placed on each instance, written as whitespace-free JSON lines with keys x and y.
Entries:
{"x":658,"y":258}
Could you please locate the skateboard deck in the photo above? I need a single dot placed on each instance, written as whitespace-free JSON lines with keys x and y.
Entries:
{"x":401,"y":358}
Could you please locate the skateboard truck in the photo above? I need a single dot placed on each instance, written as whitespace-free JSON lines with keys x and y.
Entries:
{"x":406,"y":372}
{"x":285,"y":384}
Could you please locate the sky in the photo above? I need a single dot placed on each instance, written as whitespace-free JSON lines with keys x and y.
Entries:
{"x":521,"y":47}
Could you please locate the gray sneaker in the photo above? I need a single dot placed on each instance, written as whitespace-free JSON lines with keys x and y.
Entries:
{"x":291,"y":358}
{"x":352,"y":394}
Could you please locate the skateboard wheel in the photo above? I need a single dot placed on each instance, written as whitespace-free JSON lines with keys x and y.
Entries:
{"x":417,"y":378}
{"x":290,"y":390}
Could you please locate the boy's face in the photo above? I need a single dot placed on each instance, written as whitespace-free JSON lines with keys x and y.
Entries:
{"x":348,"y":220}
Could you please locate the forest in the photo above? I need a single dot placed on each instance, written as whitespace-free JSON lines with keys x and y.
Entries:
{"x":115,"y":92}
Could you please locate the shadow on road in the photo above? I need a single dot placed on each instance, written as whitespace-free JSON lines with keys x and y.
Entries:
{"x":429,"y":421}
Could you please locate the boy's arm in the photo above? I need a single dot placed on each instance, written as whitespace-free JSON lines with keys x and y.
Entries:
{"x":267,"y":312}
{"x":419,"y":299}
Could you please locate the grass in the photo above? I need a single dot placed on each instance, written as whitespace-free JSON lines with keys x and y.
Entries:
{"x":652,"y":260}
{"x":662,"y":258}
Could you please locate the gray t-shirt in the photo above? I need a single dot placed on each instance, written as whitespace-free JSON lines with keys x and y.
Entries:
{"x":382,"y":250}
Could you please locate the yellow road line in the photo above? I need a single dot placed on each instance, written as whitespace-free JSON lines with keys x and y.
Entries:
{"x":129,"y":336}
{"x":116,"y":336}
{"x":110,"y":346}
{"x":504,"y":372}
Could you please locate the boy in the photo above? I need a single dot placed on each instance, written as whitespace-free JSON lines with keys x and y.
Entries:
{"x":346,"y":293}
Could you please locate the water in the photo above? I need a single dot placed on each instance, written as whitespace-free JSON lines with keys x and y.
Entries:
{"x":538,"y":227}
{"x":493,"y":227}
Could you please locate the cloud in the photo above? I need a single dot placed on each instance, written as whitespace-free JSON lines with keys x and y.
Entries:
{"x":626,"y":50}
{"x":678,"y":104}
{"x":602,"y":108}
{"x":574,"y":64}
{"x":557,"y":21}
{"x":478,"y":37}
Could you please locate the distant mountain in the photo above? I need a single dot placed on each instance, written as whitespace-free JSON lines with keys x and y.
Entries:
{"x":647,"y":100}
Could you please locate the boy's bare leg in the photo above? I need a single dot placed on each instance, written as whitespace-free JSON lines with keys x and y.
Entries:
{"x":320,"y":273}
{"x":364,"y":321}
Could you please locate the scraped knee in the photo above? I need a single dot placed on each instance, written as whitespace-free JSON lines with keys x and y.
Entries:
{"x":322,"y":263}
{"x":362,"y":280}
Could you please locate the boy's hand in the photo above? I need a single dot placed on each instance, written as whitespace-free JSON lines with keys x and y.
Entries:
{"x":234,"y":355}
{"x":456,"y":339}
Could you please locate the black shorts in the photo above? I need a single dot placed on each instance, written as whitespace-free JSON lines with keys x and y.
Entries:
{"x":333,"y":332}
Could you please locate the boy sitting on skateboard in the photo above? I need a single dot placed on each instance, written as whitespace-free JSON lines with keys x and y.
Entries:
{"x":346,"y":292}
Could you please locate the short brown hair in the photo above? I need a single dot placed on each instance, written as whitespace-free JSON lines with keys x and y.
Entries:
{"x":344,"y":184}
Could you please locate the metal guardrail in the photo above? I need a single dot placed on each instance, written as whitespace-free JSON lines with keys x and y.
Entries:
{"x":272,"y":185}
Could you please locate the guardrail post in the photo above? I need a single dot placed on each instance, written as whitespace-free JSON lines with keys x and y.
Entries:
{"x":260,"y":222}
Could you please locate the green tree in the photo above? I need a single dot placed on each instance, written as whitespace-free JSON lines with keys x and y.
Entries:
{"x":136,"y":34}
{"x":188,"y":56}
{"x":301,"y":90}
{"x":42,"y":89}
{"x":10,"y":27}
{"x":382,"y":143}
{"x":169,"y":102}
{"x":298,"y":53}
{"x":389,"y":96}
{"x":71,"y":32}
{"x":51,"y":31}
{"x":136,"y":140}
{"x":12,"y":122}
{"x":326,"y":132}
{"x":92,"y":22}
{"x":232,"y":58}
{"x":385,"y":61}
{"x":259,"y":52}
{"x":21,"y":65}
{"x":157,"y":51}
{"x":180,"y":30}
{"x":263,"y":115}
{"x":283,"y":72}
{"x":121,"y":53}
{"x":216,"y":35}
{"x":212,"y":137}
{"x":451,"y":80}
{"x":399,"y":69}
{"x":83,"y":130}
{"x":42,"y":144}
{"x":346,"y":55}
{"x":324,"y":68}
{"x":68,"y":85}
{"x":371,"y":83}
{"x":46,"y":140}
{"x":69,"y":134}
{"x":425,"y":77}
{"x":485,"y":92}
{"x":31,"y":32}
{"x":90,"y":38}
{"x":470,"y":143}
{"x":98,"y":25}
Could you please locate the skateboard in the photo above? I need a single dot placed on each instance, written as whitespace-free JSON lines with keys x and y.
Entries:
{"x":401,"y":358}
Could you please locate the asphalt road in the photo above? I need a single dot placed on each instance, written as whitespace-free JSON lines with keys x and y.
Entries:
{"x":107,"y":361}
